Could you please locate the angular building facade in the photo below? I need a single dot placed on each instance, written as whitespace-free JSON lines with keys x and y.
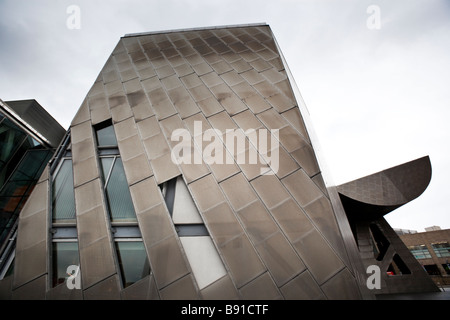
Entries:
{"x":28,"y":138}
{"x":189,"y":172}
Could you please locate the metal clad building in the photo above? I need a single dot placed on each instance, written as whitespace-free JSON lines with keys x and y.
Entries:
{"x":189,"y":172}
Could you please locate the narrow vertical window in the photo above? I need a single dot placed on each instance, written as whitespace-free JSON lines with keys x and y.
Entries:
{"x":201,"y":253}
{"x":130,"y":251}
{"x":64,"y":249}
{"x":133,"y":261}
{"x":65,"y":255}
{"x":116,"y":190}
{"x":63,"y":200}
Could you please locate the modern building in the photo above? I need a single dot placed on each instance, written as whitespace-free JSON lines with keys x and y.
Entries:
{"x":366,"y":201}
{"x":28,"y":138}
{"x":191,"y":171}
{"x":432,"y":250}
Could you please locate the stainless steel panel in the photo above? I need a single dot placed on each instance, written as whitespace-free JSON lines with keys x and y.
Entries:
{"x":221,"y":67}
{"x":91,"y":226}
{"x":85,"y":170}
{"x":292,"y":220}
{"x":191,"y":81}
{"x":290,"y":139}
{"x":280,"y":258}
{"x":34,"y":290}
{"x":242,"y":260}
{"x":97,"y":262}
{"x":342,"y":286}
{"x":262,"y":288}
{"x":83,"y":114}
{"x":296,"y":120}
{"x":145,"y":195}
{"x":257,"y":222}
{"x":37,"y":201}
{"x":302,"y":188}
{"x":270,"y":190}
{"x":246,"y":120}
{"x":83,"y":150}
{"x":243,"y":90}
{"x":164,"y":109}
{"x":167,"y":261}
{"x":210,"y":106}
{"x":201,"y":68}
{"x":156,"y":146}
{"x":137,"y":168}
{"x":272,"y":119}
{"x":322,"y":214}
{"x":302,"y":287}
{"x":130,"y":147}
{"x":211,"y":79}
{"x":182,"y":289}
{"x":273,"y":75}
{"x":138,"y":291}
{"x":200,"y":92}
{"x":306,"y":157}
{"x":223,"y":169}
{"x":142,"y":110}
{"x":108,"y":289}
{"x":222,"y":121}
{"x":222,"y":289}
{"x":222,"y":223}
{"x":148,"y":127}
{"x":81,"y":132}
{"x":280,"y":102}
{"x":238,"y":191}
{"x":30,"y":263}
{"x":88,"y":196}
{"x":206,"y":193}
{"x":241,"y":66}
{"x":260,"y":65}
{"x":125,"y":129}
{"x":256,"y":103}
{"x":151,"y":84}
{"x":155,"y":224}
{"x":322,"y":266}
{"x":164,"y":168}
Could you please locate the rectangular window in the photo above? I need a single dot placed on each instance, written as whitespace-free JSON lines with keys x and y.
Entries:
{"x":205,"y":262}
{"x":63,"y":200}
{"x":420,"y":251}
{"x":65,"y":255}
{"x":442,"y":249}
{"x":120,"y":205}
{"x":105,"y":135}
{"x":133,"y":261}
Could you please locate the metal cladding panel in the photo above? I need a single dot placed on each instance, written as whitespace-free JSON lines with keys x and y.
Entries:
{"x":174,"y":96}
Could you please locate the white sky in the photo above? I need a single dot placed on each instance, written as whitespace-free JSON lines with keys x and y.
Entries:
{"x":377,"y":97}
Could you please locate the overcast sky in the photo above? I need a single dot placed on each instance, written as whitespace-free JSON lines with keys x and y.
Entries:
{"x":375,"y":75}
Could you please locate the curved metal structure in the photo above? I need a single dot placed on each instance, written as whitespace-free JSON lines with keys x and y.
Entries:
{"x":375,"y":195}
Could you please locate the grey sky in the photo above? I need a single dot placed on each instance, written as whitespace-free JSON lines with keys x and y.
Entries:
{"x":377,"y":98}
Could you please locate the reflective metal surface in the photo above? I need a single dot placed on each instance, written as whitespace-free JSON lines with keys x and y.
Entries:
{"x":278,"y":229}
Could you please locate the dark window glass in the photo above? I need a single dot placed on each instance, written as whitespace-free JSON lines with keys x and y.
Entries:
{"x":133,"y":261}
{"x":117,"y":191}
{"x":441,"y":249}
{"x":65,"y":254}
{"x":63,"y":195}
{"x":106,"y":137}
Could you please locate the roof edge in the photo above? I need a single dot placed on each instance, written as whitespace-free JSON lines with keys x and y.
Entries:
{"x":138,"y":34}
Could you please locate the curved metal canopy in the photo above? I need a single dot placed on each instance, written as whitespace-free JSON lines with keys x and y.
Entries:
{"x":375,"y":195}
